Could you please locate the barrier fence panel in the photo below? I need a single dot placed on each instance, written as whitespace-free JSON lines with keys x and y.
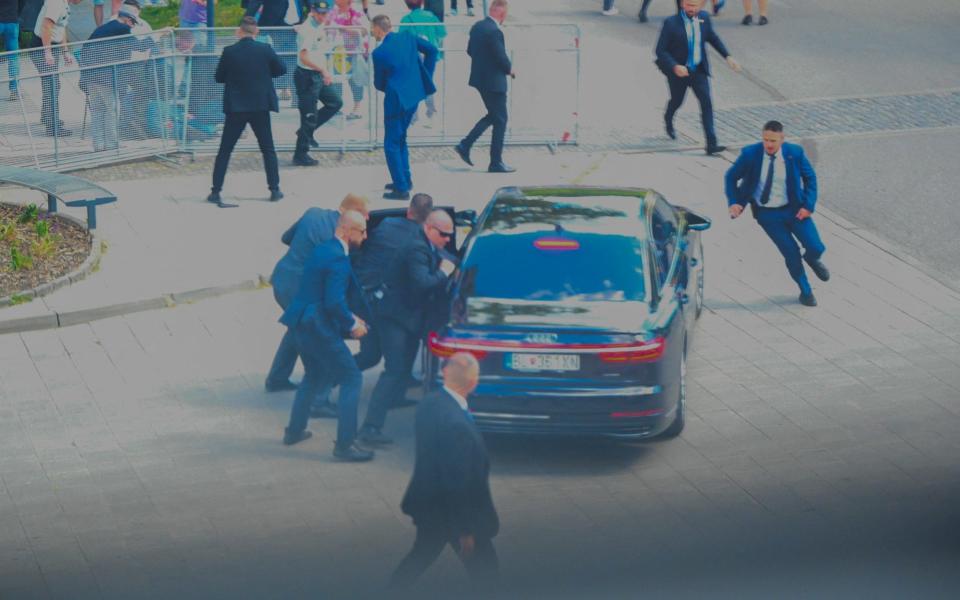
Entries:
{"x":103,"y":101}
{"x":89,"y":103}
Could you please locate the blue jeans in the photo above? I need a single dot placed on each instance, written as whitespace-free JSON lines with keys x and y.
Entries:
{"x":782,"y":225}
{"x":10,"y":34}
{"x":395,"y":149}
{"x":326,"y":361}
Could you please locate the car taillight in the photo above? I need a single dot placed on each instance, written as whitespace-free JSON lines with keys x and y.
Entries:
{"x":447,"y":347}
{"x":642,"y":352}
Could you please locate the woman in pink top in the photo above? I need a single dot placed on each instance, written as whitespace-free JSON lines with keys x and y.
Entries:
{"x":354,"y":43}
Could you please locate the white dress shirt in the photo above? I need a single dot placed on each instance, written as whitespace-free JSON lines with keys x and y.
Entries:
{"x":778,"y":192}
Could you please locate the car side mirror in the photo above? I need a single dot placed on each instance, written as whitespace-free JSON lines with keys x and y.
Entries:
{"x":697,"y":222}
{"x":465,"y":218}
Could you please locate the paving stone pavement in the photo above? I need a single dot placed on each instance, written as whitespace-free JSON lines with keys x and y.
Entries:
{"x":828,"y":117}
{"x":140,"y":457}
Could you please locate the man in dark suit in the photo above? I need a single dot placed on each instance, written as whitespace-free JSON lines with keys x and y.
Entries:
{"x":372,"y":264}
{"x":315,"y":226}
{"x":320,"y":319}
{"x":405,"y":80}
{"x":682,"y":57}
{"x":246,"y":69}
{"x":780,"y":185}
{"x":417,"y":272}
{"x":449,"y":494}
{"x":489,"y":68}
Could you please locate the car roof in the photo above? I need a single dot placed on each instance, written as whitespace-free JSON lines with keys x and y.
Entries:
{"x":603,"y":210}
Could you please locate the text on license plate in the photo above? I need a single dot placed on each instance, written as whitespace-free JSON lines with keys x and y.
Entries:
{"x":543,"y":362}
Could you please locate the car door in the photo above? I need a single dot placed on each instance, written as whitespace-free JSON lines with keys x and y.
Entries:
{"x":667,"y":253}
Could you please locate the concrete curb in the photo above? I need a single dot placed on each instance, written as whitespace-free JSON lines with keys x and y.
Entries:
{"x":89,"y":264}
{"x":87,"y":315}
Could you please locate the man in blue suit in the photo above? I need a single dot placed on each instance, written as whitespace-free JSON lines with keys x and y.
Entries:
{"x":317,"y":225}
{"x":682,"y":57}
{"x":405,"y":80}
{"x":320,"y":318}
{"x":779,"y":184}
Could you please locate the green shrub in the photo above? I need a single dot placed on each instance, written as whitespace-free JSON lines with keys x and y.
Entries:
{"x":42,"y":228}
{"x":29,"y":214}
{"x":8,"y":231}
{"x":227,"y":14}
{"x":44,"y":247}
{"x":20,"y":261}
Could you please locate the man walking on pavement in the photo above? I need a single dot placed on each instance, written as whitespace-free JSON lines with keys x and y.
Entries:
{"x":780,"y":185}
{"x":321,"y":319}
{"x":682,"y":57}
{"x":489,"y":68}
{"x":50,"y":33}
{"x":417,"y":272}
{"x":247,"y":69}
{"x":315,"y":226}
{"x":313,"y":81}
{"x":405,"y":80}
{"x":449,"y":493}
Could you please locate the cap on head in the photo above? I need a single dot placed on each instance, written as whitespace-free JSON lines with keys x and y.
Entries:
{"x":320,"y":6}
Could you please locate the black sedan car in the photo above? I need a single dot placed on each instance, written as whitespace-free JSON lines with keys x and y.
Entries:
{"x":579,"y":304}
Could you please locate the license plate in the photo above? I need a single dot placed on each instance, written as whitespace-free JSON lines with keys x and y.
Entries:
{"x":543,"y":362}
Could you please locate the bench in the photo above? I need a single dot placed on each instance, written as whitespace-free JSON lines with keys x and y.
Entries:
{"x":72,"y":191}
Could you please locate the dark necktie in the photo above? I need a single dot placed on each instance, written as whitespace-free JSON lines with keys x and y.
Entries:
{"x":768,"y":184}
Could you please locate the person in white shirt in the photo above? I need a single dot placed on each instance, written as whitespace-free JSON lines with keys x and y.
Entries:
{"x":49,"y":33}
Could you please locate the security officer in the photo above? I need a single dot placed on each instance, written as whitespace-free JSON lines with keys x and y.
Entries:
{"x":313,"y":81}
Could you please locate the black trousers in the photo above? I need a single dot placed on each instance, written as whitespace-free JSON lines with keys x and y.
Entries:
{"x":233,"y":126}
{"x":700,"y":82}
{"x":483,"y":567}
{"x":310,"y":90}
{"x":496,"y":104}
{"x":49,"y":84}
{"x":646,"y":3}
{"x":399,"y":347}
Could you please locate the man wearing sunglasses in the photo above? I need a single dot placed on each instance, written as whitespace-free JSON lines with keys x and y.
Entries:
{"x":417,"y":272}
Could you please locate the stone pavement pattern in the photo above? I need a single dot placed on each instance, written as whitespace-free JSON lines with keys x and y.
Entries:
{"x":139,"y":456}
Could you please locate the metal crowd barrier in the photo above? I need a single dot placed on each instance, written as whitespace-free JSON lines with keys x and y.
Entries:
{"x":105,"y":101}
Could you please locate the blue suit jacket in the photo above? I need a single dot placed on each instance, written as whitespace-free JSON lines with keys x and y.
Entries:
{"x":317,"y":225}
{"x":321,"y":300}
{"x":489,"y":63}
{"x":450,"y":485}
{"x":399,"y":73}
{"x":672,"y":44}
{"x":743,"y":177}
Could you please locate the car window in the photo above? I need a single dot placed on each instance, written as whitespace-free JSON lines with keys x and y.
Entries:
{"x":664,"y":228}
{"x":553,"y":266}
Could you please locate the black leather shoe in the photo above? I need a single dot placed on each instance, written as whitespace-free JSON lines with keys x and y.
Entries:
{"x":389,"y":187}
{"x":61,"y":132}
{"x":283,"y":386}
{"x":715,"y":150}
{"x":464,"y":153}
{"x":305,"y":161}
{"x":819,"y":269}
{"x":808,"y":299}
{"x":290,"y":439}
{"x":501,"y":168}
{"x":275,"y":195}
{"x":671,"y":132}
{"x":214,"y":198}
{"x":373,"y":437}
{"x":352,"y":453}
{"x":324,"y":411}
{"x":763,"y":21}
{"x":396,"y":195}
{"x":747,"y":20}
{"x":403,"y":403}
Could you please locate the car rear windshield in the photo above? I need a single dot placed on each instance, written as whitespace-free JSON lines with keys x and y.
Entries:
{"x":588,"y":250}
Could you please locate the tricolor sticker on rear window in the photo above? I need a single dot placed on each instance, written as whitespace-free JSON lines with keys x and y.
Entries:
{"x":556,"y":244}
